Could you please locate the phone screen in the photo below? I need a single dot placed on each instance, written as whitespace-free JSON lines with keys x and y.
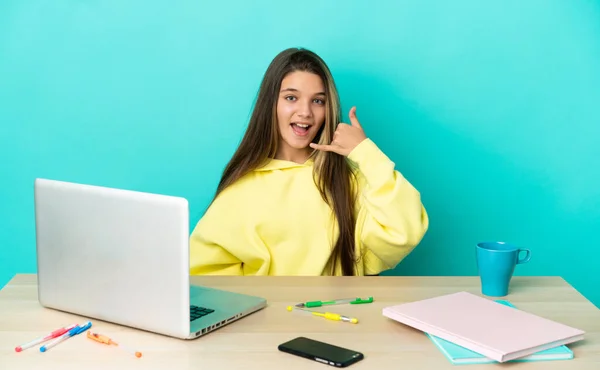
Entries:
{"x":322,"y":352}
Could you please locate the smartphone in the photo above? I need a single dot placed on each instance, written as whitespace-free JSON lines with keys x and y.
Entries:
{"x":321,"y":352}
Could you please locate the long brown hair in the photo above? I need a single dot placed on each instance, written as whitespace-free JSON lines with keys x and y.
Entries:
{"x":332,"y":172}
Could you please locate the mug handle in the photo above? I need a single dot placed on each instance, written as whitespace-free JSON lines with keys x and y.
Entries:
{"x":527,"y":256}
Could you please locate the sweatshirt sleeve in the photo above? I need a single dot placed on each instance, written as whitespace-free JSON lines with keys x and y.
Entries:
{"x":210,"y":240}
{"x":207,"y":255}
{"x":225,"y":243}
{"x":391,"y":220}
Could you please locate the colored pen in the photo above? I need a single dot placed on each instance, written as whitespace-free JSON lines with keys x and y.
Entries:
{"x":76,"y":330}
{"x":106,"y":340}
{"x":335,"y":301}
{"x":54,"y":334}
{"x":327,"y":315}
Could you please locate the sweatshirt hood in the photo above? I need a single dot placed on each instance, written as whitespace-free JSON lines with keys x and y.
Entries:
{"x":278,"y":164}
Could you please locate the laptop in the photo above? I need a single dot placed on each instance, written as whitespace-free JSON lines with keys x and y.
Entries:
{"x":122,"y":256}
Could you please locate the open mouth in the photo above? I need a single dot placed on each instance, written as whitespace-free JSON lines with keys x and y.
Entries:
{"x":300,"y":129}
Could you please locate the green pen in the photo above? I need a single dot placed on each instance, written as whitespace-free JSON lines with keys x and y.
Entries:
{"x":335,"y":301}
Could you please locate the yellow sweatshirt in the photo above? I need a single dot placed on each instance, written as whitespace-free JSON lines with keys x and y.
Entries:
{"x":273,"y":221}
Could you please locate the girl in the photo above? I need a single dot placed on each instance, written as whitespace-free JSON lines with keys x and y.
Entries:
{"x":305,"y":194}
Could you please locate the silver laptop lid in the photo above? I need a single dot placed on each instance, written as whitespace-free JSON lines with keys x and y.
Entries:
{"x":115,"y":255}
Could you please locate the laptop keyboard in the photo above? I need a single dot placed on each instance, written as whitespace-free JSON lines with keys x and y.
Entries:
{"x":197,"y":312}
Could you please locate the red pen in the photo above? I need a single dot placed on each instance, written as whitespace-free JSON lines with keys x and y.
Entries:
{"x":54,"y":334}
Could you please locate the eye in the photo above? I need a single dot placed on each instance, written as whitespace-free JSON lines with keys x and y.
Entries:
{"x":290,"y":98}
{"x":319,"y":101}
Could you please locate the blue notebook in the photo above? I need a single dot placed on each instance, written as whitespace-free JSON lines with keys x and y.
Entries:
{"x":459,"y":355}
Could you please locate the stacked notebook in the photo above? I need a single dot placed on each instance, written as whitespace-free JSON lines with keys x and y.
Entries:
{"x":489,"y":331}
{"x":458,"y":355}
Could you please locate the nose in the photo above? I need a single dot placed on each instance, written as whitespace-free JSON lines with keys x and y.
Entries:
{"x":305,"y":110}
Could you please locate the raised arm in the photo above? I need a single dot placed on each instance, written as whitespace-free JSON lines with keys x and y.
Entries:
{"x":391,"y":219}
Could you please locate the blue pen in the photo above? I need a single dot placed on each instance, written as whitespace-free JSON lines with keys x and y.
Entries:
{"x":76,"y":330}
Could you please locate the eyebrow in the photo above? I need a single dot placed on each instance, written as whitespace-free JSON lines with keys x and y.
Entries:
{"x":296,"y":90}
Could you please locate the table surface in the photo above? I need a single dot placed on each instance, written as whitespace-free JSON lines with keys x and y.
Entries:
{"x":251,"y":343}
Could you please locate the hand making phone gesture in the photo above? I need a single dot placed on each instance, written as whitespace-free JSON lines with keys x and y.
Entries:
{"x":345,"y":138}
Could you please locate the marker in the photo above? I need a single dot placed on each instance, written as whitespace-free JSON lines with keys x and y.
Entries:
{"x":54,"y":334}
{"x":76,"y":330}
{"x":335,"y":301}
{"x":106,"y":340}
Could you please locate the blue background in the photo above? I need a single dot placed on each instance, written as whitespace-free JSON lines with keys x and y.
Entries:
{"x":491,"y":109}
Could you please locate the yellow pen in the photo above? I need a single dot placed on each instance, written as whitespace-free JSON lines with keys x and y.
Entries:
{"x":326,"y":315}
